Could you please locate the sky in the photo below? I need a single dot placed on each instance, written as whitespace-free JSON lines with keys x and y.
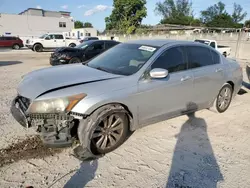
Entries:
{"x":95,"y":11}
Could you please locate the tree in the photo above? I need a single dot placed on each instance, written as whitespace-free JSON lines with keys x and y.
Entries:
{"x":126,"y":15}
{"x":175,"y":12}
{"x":221,"y":20}
{"x":238,"y":14}
{"x":78,"y":24}
{"x":247,"y":23}
{"x":211,"y":12}
{"x":216,"y":16}
{"x":87,"y":25}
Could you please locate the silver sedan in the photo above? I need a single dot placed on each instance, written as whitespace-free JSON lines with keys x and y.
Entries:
{"x":125,"y":88}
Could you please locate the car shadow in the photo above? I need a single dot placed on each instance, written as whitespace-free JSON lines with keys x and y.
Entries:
{"x":85,"y":174}
{"x":7,"y":63}
{"x":246,"y":85}
{"x":193,"y":162}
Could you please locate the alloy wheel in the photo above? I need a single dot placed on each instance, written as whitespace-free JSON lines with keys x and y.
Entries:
{"x":108,"y":132}
{"x":224,"y":98}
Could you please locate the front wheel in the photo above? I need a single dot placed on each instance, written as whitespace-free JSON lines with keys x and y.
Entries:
{"x":16,"y":47}
{"x":74,"y":60}
{"x":110,"y":128}
{"x":38,"y":48}
{"x":72,"y":45}
{"x":224,"y":98}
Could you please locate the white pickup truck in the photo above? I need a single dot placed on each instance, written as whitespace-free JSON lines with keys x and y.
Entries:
{"x":225,"y":50}
{"x":50,"y":41}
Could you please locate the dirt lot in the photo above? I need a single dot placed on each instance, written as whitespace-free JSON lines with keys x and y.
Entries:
{"x":211,"y":150}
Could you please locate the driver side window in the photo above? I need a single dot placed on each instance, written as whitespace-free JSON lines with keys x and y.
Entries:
{"x":51,"y":36}
{"x":172,"y":60}
{"x":99,"y":46}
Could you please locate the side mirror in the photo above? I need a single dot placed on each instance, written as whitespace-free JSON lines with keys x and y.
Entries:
{"x":158,"y":73}
{"x":47,"y":38}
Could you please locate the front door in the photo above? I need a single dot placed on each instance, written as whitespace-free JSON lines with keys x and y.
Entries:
{"x":208,"y":74}
{"x":160,"y":99}
{"x":50,"y":42}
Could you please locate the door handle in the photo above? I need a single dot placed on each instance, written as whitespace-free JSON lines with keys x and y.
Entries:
{"x":185,"y":78}
{"x":219,"y":70}
{"x":54,"y":40}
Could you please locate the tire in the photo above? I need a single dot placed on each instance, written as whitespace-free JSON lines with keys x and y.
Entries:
{"x":74,"y":60}
{"x":96,"y":126}
{"x":38,"y":48}
{"x":72,"y":45}
{"x":16,"y":47}
{"x":226,"y":99}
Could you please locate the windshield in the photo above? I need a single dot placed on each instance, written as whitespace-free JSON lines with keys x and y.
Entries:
{"x":43,"y":36}
{"x":203,"y":41}
{"x":84,"y":44}
{"x":123,"y":59}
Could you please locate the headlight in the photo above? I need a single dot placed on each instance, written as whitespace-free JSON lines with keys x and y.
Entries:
{"x":65,"y":56}
{"x":55,"y":105}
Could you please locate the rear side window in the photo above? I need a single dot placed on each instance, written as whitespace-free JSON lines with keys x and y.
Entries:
{"x":216,"y":57}
{"x":172,"y":60}
{"x":199,"y":57}
{"x":58,"y":36}
{"x":212,"y":44}
{"x":110,"y":44}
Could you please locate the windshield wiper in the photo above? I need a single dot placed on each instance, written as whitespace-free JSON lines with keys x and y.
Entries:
{"x":102,"y":69}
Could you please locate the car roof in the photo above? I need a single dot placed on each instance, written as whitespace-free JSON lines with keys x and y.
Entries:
{"x":102,"y":41}
{"x":159,"y":42}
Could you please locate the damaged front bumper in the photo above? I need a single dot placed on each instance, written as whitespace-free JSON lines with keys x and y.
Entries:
{"x":56,"y":130}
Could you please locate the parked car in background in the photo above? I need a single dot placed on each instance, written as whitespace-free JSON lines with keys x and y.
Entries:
{"x":89,"y":38}
{"x":80,"y":53}
{"x":51,"y":41}
{"x":123,"y":89}
{"x":224,"y":50}
{"x":11,"y":42}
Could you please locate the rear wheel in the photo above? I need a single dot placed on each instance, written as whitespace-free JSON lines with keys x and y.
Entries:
{"x":74,"y":60}
{"x":38,"y":48}
{"x":16,"y":47}
{"x":224,"y":98}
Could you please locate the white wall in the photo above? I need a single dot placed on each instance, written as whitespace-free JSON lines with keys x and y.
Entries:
{"x":27,"y":26}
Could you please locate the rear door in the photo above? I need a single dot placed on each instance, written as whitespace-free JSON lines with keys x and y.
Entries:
{"x":94,"y":49}
{"x":208,"y":73}
{"x":8,"y":42}
{"x":60,"y":41}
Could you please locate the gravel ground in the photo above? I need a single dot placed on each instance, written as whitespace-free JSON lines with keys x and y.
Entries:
{"x":210,"y":150}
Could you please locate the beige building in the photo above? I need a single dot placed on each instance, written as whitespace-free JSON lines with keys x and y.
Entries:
{"x":35,"y":22}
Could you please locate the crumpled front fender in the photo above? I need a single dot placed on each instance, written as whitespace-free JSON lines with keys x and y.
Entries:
{"x":83,"y":151}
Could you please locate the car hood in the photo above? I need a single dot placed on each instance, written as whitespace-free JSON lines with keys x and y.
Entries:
{"x":42,"y":81}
